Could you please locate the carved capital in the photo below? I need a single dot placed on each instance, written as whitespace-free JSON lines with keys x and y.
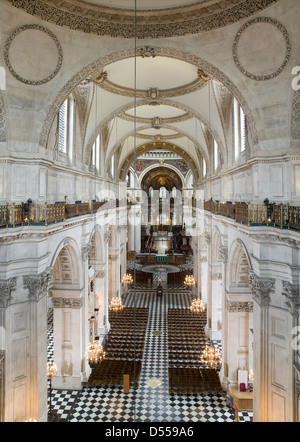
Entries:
{"x":6,"y":287}
{"x":262,"y":288}
{"x":291,"y":292}
{"x":38,"y":285}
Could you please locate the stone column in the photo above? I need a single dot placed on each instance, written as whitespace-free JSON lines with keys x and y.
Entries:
{"x":262,"y":288}
{"x":68,"y":338}
{"x":291,"y":293}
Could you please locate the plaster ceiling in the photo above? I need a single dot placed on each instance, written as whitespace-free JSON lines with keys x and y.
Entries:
{"x":151,"y":72}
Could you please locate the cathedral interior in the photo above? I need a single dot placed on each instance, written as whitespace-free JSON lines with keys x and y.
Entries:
{"x":149,"y":211}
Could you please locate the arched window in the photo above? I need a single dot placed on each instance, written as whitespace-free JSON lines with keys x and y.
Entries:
{"x":96,"y":154}
{"x":239,"y":129}
{"x":162,"y":192}
{"x":150,"y":192}
{"x":62,"y":127}
{"x":204,"y":168}
{"x":66,"y":128}
{"x":174,"y":192}
{"x":216,"y":155}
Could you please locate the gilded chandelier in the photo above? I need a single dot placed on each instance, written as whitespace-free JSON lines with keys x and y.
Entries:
{"x":95,"y":353}
{"x":197,"y":306}
{"x":189,"y":280}
{"x":211,"y":357}
{"x":116,"y":305}
{"x":127,"y":279}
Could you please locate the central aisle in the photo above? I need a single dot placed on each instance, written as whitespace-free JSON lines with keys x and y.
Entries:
{"x":151,"y":402}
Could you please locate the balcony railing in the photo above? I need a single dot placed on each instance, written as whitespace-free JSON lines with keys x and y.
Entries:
{"x":12,"y":215}
{"x":283,"y":216}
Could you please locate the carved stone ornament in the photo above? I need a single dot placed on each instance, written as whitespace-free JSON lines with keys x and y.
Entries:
{"x":38,"y":285}
{"x":286,"y":57}
{"x":19,"y":77}
{"x":223,"y":252}
{"x":262,"y":288}
{"x":6,"y":287}
{"x":2,"y":120}
{"x":73,"y":303}
{"x":239,"y":307}
{"x":291,"y":292}
{"x":85,"y":251}
{"x":94,"y":18}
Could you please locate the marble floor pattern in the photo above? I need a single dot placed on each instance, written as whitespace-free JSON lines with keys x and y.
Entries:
{"x":151,"y":402}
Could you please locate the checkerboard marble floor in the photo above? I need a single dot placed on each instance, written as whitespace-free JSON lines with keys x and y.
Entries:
{"x":151,"y":402}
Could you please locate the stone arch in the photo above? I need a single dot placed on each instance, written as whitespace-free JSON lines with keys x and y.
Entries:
{"x":239,"y":266}
{"x":150,"y":146}
{"x":99,"y":64}
{"x":96,"y":247}
{"x":66,"y":264}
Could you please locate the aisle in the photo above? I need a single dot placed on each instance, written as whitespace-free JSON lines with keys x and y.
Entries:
{"x":151,"y":402}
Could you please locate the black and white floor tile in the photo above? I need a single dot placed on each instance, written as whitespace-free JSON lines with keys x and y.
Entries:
{"x":151,"y":402}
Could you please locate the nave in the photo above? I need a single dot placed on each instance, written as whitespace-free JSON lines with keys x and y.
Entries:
{"x":153,"y":400}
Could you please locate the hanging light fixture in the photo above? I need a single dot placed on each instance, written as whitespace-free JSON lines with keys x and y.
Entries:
{"x":51,"y":373}
{"x":127,"y":279}
{"x":197,"y":306}
{"x":95,"y":353}
{"x":116,"y":305}
{"x":211,"y":357}
{"x":189,"y":280}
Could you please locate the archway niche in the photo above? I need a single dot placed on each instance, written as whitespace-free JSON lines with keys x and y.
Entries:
{"x":238,"y":317}
{"x":69,"y":325}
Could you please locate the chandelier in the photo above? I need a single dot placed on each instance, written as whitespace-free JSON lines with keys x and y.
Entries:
{"x":127,"y":279}
{"x":189,"y":280}
{"x":116,"y":305}
{"x":51,"y":370}
{"x":197,"y":306}
{"x":95,"y":353}
{"x":211,"y":357}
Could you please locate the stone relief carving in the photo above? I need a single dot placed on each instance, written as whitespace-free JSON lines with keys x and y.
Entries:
{"x":38,"y":285}
{"x":6,"y":287}
{"x":73,"y":303}
{"x":285,"y":34}
{"x":239,"y":307}
{"x":291,"y":292}
{"x":19,"y":76}
{"x":2,"y":120}
{"x":262,"y":288}
{"x":160,"y":23}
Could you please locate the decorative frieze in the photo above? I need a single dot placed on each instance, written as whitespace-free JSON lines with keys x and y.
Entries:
{"x":6,"y":287}
{"x":239,"y":307}
{"x":262,"y":288}
{"x":291,"y":292}
{"x":38,"y":285}
{"x":93,"y":18}
{"x":73,"y":303}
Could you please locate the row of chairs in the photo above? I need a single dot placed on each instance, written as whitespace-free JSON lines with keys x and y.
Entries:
{"x":186,"y":341}
{"x":109,"y":373}
{"x":124,"y":347}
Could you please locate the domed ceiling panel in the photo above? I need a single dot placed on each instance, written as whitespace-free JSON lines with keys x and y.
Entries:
{"x":157,"y":19}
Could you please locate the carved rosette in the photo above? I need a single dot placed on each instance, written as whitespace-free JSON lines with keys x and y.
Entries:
{"x":6,"y":287}
{"x":38,"y":285}
{"x":291,"y":292}
{"x":262,"y":288}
